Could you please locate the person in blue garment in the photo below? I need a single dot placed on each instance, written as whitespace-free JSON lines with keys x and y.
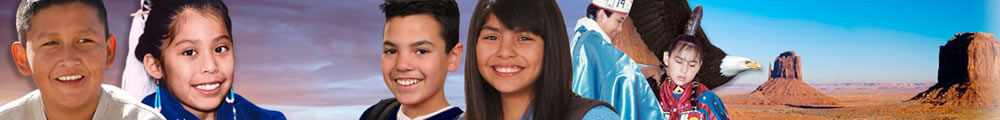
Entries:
{"x":518,"y":65}
{"x":420,"y":46}
{"x":680,"y":94}
{"x":604,"y":72}
{"x":187,"y":47}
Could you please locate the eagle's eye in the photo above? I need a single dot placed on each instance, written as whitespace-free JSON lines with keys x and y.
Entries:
{"x":746,"y":62}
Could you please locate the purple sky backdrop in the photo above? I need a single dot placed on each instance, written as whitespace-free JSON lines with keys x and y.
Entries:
{"x":309,"y":53}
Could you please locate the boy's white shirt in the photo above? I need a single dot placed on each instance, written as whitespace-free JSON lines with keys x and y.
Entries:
{"x":114,"y":104}
{"x":401,"y":116}
{"x":589,"y":24}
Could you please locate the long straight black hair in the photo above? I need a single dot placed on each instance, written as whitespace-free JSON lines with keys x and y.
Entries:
{"x":552,"y":87}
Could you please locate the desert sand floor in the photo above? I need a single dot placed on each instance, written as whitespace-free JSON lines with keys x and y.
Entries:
{"x":860,"y":105}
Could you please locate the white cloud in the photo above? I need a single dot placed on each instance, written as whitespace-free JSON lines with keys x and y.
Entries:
{"x":454,"y":89}
{"x":294,"y":112}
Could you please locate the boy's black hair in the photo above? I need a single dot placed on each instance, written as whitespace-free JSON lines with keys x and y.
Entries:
{"x":28,"y":8}
{"x":592,"y":11}
{"x":444,"y":11}
{"x":160,"y":22}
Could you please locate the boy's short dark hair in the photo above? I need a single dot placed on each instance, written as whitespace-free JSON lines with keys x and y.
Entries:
{"x":444,"y":11}
{"x":592,"y":11}
{"x":28,"y":8}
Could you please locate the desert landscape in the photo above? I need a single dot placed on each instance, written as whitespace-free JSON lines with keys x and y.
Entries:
{"x":967,"y":79}
{"x":885,"y":104}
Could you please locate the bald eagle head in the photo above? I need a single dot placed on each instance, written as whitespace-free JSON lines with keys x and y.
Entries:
{"x":733,"y":65}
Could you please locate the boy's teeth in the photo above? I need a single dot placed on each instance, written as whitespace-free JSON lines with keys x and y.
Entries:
{"x":507,"y":69}
{"x":208,"y":86}
{"x":407,"y":82}
{"x":70,"y":77}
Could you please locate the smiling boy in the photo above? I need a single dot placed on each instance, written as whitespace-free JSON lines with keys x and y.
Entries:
{"x":64,"y":45}
{"x":420,"y":47}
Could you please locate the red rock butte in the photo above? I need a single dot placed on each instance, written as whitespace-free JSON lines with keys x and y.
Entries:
{"x":968,"y":72}
{"x":785,"y":87}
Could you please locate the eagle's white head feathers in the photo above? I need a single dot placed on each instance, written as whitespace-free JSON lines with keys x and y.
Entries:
{"x":733,"y":65}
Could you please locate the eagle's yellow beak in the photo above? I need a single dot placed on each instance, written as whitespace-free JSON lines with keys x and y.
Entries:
{"x":753,"y":65}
